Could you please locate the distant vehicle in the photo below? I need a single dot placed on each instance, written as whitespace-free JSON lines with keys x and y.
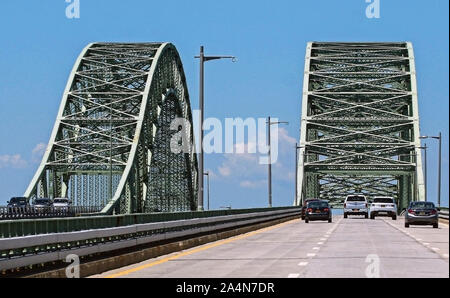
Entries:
{"x":356,"y":205}
{"x":383,"y":206}
{"x":304,"y":206}
{"x":62,"y":203}
{"x":41,"y":204}
{"x":18,"y":202}
{"x":318,"y":210}
{"x":422,"y":213}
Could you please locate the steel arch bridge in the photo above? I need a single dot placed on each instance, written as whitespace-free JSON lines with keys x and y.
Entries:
{"x":360,"y":123}
{"x":111,"y":142}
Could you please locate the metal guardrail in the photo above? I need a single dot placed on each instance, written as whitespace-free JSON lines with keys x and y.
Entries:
{"x":7,"y":213}
{"x":16,"y":252}
{"x":26,"y":227}
{"x":443,"y":213}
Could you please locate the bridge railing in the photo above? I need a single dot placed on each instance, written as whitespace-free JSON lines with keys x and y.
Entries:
{"x":10,"y":213}
{"x":25,"y":242}
{"x":443,"y":213}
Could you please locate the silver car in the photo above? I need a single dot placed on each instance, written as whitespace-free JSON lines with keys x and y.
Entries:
{"x":62,"y":204}
{"x":356,"y":205}
{"x":383,"y":206}
{"x":422,"y":213}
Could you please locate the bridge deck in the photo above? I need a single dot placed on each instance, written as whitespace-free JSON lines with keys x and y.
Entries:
{"x":317,"y":249}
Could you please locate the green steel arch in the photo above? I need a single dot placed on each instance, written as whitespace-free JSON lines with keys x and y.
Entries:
{"x":360,"y":123}
{"x":110,"y":145}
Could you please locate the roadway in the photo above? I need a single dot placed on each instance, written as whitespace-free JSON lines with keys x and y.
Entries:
{"x":352,"y":247}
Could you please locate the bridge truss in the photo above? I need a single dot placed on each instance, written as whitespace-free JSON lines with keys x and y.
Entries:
{"x":110,"y":144}
{"x":360,"y":123}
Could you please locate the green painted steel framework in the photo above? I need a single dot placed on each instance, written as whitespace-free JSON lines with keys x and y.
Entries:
{"x":111,"y":142}
{"x":360,"y":123}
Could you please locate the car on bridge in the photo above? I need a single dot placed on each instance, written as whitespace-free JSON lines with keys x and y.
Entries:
{"x":62,"y":204}
{"x":303,"y":211}
{"x":383,"y":206}
{"x":422,"y":213}
{"x":17,"y":204}
{"x":356,"y":205}
{"x":318,"y":210}
{"x":42,"y":204}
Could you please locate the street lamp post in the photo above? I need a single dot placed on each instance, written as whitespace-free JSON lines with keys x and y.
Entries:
{"x":425,"y":169}
{"x":439,"y":137}
{"x":207,"y":187}
{"x":296,"y":170}
{"x":203,"y":59}
{"x":269,"y":123}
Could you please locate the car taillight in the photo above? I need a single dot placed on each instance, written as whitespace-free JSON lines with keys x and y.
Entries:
{"x":345,"y":205}
{"x":433,"y":211}
{"x":309,"y":209}
{"x":366,"y":205}
{"x":326,"y":209}
{"x":411,"y":211}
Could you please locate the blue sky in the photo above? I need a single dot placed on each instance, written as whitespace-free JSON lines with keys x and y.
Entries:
{"x":39,"y":46}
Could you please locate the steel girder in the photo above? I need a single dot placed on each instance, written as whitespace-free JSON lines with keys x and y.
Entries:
{"x":360,"y":122}
{"x":110,"y":144}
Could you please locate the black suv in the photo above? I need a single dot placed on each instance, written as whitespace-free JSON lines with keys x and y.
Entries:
{"x":18,"y":202}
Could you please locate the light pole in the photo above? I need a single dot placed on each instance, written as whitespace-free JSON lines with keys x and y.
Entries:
{"x":296,"y":170}
{"x":207,"y":186}
{"x":269,"y":123}
{"x":203,"y":59}
{"x":439,"y":137}
{"x":425,"y":169}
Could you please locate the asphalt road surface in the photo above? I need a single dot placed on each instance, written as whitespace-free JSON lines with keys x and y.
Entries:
{"x":352,"y":247}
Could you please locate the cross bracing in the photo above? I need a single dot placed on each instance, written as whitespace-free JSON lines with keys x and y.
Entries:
{"x":110,"y":144}
{"x":360,"y":123}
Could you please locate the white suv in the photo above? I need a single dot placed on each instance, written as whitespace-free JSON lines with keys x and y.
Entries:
{"x":356,"y":205}
{"x":383,"y":206}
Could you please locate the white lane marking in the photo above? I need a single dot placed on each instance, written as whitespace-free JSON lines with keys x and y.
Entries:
{"x":303,"y":263}
{"x":322,"y":239}
{"x":310,"y":255}
{"x":435,"y":248}
{"x":293,"y":275}
{"x":426,"y":244}
{"x":320,"y":243}
{"x":316,"y":248}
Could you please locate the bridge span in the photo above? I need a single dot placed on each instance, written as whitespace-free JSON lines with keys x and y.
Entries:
{"x":351,"y":247}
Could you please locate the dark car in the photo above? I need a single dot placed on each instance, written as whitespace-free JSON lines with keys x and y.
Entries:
{"x":42,"y":204}
{"x":317,"y":210}
{"x":304,"y":206}
{"x":422,"y":213}
{"x":18,"y":202}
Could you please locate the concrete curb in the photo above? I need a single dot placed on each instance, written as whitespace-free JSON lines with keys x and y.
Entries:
{"x":111,"y":263}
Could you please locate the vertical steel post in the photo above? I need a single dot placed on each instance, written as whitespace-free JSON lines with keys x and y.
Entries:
{"x":110,"y":150}
{"x":270,"y":164}
{"x":208,"y":189}
{"x":439,"y":175}
{"x":201,"y":106}
{"x":425,"y":166}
